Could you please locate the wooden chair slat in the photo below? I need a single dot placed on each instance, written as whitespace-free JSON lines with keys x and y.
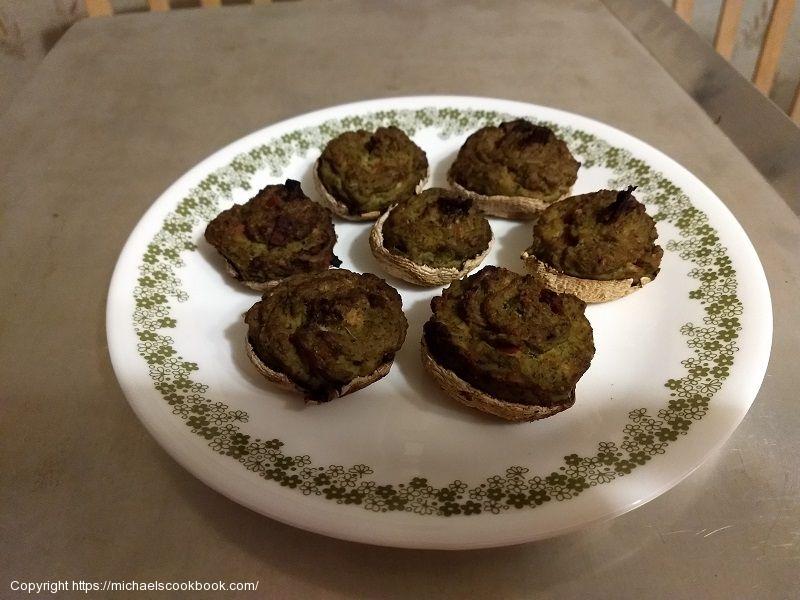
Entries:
{"x":794,"y":111}
{"x":159,"y":5}
{"x":684,"y":9}
{"x":727,"y":26}
{"x":769,"y":57}
{"x":99,"y":8}
{"x":210,"y":3}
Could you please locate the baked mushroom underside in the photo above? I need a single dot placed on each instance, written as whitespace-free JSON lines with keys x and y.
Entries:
{"x":605,"y":236}
{"x":278,"y":233}
{"x":326,"y":330}
{"x":365,"y":173}
{"x":511,"y":338}
{"x":516,"y":159}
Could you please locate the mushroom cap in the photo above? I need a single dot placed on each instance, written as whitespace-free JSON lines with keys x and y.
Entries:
{"x":259,"y":286}
{"x":507,"y":207}
{"x":461,"y":391}
{"x":340,"y":208}
{"x":326,"y":334}
{"x":284,"y":382}
{"x":589,"y":290}
{"x":407,"y":270}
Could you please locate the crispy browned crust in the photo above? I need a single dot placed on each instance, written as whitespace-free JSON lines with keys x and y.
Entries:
{"x":341,"y":210}
{"x":284,"y":382}
{"x":407,"y":270}
{"x":507,"y":207}
{"x":589,"y":290}
{"x":461,"y":391}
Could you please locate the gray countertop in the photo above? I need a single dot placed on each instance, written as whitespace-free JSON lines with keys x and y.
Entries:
{"x":123,"y":106}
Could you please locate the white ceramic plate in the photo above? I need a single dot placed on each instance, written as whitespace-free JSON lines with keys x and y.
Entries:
{"x":677,"y":364}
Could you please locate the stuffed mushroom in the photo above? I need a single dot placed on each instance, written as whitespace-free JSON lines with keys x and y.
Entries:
{"x":504,"y":344}
{"x":278,"y":233}
{"x":326,"y":334}
{"x":599,"y":246}
{"x":361,"y":174}
{"x":431,"y":238}
{"x":515,"y":169}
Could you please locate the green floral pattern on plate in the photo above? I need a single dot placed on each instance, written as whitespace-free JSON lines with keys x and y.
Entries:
{"x":645,"y":435}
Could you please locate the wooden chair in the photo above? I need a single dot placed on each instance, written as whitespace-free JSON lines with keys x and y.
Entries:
{"x":104,"y":8}
{"x":771,"y":47}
